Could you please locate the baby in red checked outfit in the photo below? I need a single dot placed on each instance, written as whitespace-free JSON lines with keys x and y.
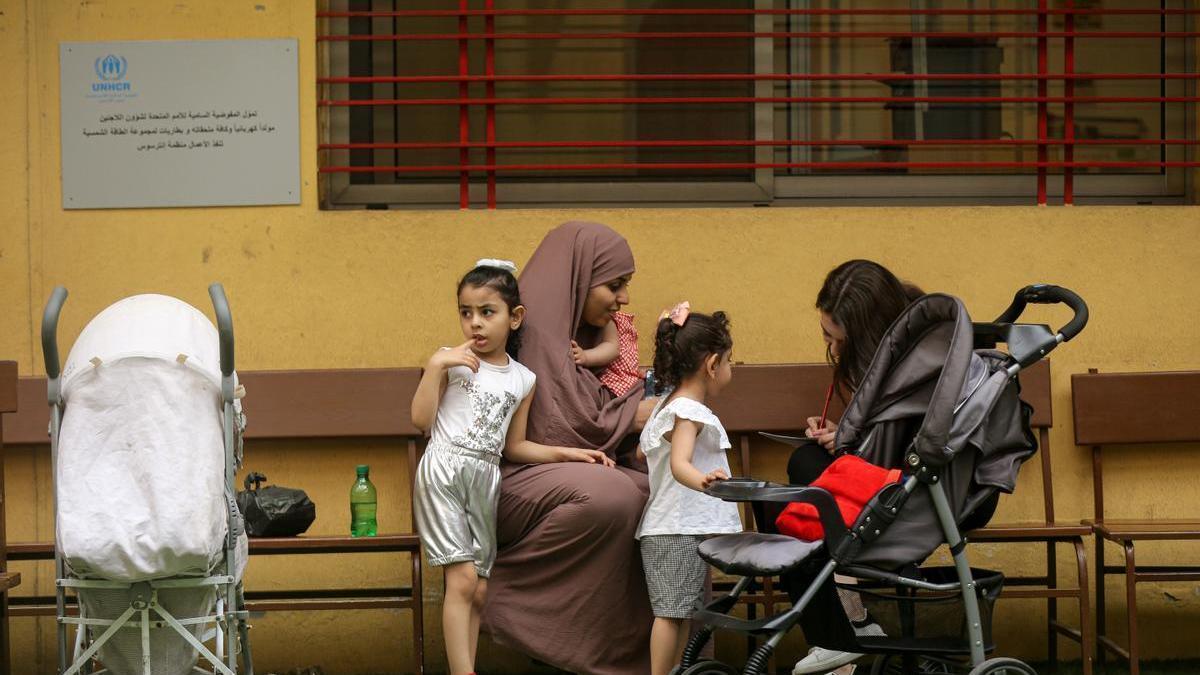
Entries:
{"x":616,"y":353}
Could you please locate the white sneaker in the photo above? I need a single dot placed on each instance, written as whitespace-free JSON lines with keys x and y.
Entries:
{"x":821,"y":660}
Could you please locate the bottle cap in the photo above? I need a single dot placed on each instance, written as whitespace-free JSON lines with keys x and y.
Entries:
{"x":363,"y":469}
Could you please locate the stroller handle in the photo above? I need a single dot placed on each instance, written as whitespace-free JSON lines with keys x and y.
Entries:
{"x":50,"y":331}
{"x":1047,"y":294}
{"x":224,"y":326}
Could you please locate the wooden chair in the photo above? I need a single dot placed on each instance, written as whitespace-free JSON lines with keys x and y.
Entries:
{"x":1164,"y":409}
{"x":1035,"y":390}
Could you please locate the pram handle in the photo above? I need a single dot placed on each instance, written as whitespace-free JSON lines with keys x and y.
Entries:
{"x":50,"y":331}
{"x":1047,"y":294}
{"x":224,"y":326}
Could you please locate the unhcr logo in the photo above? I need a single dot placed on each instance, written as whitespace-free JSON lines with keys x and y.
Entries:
{"x":111,"y":70}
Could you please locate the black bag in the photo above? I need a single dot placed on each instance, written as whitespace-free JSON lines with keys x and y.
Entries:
{"x":274,"y":511}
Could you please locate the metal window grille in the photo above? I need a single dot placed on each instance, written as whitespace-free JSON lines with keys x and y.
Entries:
{"x":464,"y":103}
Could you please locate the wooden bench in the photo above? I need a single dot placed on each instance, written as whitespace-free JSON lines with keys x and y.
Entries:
{"x":8,"y":580}
{"x":324,"y":404}
{"x":374,"y":403}
{"x":1035,"y":390}
{"x":1124,"y":410}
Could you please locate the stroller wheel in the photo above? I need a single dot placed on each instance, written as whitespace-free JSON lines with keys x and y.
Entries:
{"x":1003,"y":666}
{"x":710,"y":668}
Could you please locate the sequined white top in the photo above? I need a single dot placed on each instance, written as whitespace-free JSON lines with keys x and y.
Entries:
{"x":476,"y":408}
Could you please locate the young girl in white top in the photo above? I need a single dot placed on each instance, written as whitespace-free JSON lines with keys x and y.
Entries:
{"x":475,"y":398}
{"x":685,"y":446}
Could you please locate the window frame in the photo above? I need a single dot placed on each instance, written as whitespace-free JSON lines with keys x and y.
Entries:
{"x":1172,"y":185}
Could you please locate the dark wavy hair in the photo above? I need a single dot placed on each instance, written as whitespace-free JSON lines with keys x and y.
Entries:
{"x":680,"y":351}
{"x":503,"y":282}
{"x":864,"y":298}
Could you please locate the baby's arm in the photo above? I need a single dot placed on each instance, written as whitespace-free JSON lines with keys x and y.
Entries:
{"x":521,"y":450}
{"x":433,"y":382}
{"x":683,"y":444}
{"x":602,"y":354}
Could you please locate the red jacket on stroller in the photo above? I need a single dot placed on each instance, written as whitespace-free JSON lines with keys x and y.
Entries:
{"x":852,"y":481}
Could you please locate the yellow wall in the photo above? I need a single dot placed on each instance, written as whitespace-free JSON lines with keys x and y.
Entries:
{"x":314,"y":289}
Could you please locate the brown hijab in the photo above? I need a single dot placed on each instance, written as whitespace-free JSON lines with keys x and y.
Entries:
{"x":570,"y":407}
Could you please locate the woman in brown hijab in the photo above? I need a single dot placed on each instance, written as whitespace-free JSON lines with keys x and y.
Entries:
{"x":567,"y":587}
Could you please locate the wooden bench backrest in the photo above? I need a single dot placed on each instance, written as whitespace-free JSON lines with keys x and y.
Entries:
{"x":356,"y":403}
{"x":282,"y":404}
{"x":1163,"y":406}
{"x":1126,"y":409}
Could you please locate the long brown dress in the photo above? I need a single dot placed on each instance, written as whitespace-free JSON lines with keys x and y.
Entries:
{"x":567,"y":587}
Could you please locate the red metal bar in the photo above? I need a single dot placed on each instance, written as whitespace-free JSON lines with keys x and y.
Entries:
{"x":490,"y":69}
{"x":1041,"y":108}
{"x":599,"y":100}
{"x":464,"y":115}
{"x":705,"y":77}
{"x":750,"y":35}
{"x":1069,"y":107}
{"x":448,"y":13}
{"x":757,"y":165}
{"x":680,"y":144}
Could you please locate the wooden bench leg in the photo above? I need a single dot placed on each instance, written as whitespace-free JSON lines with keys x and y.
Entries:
{"x":418,"y":617}
{"x":1087,"y":633}
{"x":4,"y":655}
{"x":1101,"y":634}
{"x":1131,"y":607}
{"x":1052,"y":605}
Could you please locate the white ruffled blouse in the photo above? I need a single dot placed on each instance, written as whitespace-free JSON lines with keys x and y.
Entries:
{"x":673,"y":507}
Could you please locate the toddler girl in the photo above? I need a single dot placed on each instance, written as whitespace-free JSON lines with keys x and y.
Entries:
{"x":685,"y":446}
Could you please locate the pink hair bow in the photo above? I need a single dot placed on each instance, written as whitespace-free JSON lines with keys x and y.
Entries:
{"x":677,"y":314}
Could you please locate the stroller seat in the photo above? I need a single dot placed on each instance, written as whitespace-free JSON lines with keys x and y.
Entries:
{"x":751,"y":553}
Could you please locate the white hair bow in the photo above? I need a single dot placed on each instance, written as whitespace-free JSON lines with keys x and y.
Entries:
{"x":508,"y":265}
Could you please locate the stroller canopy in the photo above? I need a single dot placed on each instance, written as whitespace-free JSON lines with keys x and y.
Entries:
{"x":146,"y":326}
{"x":929,"y":393}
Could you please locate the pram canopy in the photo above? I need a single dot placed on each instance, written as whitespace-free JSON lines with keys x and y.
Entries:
{"x":931,"y":402}
{"x":141,"y":457}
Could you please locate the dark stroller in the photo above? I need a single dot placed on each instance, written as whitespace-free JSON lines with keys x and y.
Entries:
{"x":940,"y":402}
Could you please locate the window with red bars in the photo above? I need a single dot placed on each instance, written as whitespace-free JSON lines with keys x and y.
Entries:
{"x":485,"y":103}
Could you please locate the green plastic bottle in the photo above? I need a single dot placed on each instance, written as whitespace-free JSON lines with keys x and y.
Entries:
{"x":362,"y":504}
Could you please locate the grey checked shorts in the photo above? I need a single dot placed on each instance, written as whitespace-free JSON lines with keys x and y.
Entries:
{"x":674,"y":573}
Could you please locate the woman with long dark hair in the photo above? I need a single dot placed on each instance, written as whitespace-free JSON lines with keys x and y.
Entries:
{"x":857,"y":303}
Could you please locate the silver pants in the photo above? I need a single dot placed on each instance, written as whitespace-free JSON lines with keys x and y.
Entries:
{"x":457,"y":490}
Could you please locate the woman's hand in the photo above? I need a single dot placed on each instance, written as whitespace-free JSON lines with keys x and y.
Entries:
{"x":583,"y":455}
{"x":823,"y":435}
{"x":459,"y":356}
{"x":712,"y":477}
{"x":645,"y":408}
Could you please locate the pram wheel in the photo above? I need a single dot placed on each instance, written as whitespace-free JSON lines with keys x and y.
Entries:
{"x":710,"y":668}
{"x":1003,"y":666}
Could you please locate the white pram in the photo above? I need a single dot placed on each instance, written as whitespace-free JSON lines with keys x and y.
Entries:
{"x":145,"y":436}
